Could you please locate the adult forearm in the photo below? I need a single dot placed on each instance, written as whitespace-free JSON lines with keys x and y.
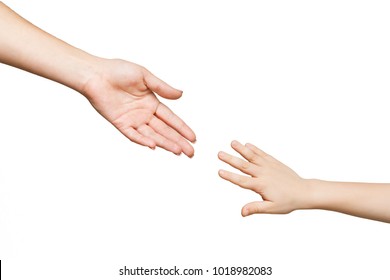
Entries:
{"x":27,"y":47}
{"x":122,"y":92}
{"x":366,"y":200}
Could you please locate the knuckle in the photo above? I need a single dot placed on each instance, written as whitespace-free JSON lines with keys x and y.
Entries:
{"x":157,"y":88}
{"x":166,"y":130}
{"x":257,"y":210}
{"x":250,"y":156}
{"x":244,"y":165}
{"x":163,"y":142}
{"x":243,"y":181}
{"x":180,"y":124}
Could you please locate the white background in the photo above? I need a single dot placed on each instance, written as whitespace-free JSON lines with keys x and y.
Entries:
{"x":307,"y":81}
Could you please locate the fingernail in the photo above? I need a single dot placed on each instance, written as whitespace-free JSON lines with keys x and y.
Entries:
{"x":234,"y":143}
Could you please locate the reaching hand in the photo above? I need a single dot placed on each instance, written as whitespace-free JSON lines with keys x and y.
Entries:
{"x":123,"y":93}
{"x":280,"y":187}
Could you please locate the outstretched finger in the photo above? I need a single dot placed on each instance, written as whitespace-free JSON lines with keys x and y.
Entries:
{"x":160,"y":87}
{"x":242,"y":165}
{"x":160,"y":140}
{"x":256,"y":150}
{"x":247,"y":153}
{"x":239,"y":180}
{"x":172,"y":120}
{"x":169,"y":133}
{"x":138,"y":138}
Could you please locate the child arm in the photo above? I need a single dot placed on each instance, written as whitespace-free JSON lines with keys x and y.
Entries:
{"x":283,"y":191}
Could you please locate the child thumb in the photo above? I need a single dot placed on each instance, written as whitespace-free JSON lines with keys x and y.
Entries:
{"x":257,"y":207}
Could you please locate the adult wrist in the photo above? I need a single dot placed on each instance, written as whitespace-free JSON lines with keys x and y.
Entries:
{"x":88,"y":68}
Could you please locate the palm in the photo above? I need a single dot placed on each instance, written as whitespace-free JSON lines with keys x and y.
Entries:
{"x":123,"y":95}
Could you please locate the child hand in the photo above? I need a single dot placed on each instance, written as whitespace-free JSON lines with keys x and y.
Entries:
{"x":281,"y":189}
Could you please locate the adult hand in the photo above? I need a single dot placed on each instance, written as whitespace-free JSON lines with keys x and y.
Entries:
{"x":125,"y":94}
{"x":121,"y":91}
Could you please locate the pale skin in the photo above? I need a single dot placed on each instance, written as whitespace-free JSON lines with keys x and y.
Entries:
{"x":124,"y":93}
{"x":282,"y":190}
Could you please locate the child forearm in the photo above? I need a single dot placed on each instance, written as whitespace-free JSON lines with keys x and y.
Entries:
{"x":366,"y":200}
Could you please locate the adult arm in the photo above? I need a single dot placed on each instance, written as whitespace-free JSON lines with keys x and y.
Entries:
{"x":121,"y":91}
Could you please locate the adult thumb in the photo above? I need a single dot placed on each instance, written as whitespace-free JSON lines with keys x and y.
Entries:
{"x":161,"y":88}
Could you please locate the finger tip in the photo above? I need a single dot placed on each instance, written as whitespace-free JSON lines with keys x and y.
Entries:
{"x":179,"y":94}
{"x":190,"y":154}
{"x":245,"y":211}
{"x":190,"y":135}
{"x":234,"y":143}
{"x":189,"y":151}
